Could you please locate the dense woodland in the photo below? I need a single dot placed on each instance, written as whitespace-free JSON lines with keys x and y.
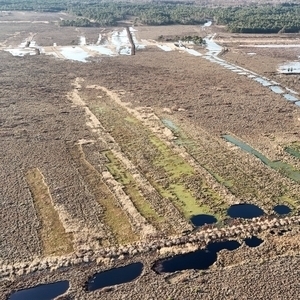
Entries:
{"x":255,"y":18}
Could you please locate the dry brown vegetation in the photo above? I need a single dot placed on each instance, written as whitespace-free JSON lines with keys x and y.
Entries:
{"x":92,"y":173}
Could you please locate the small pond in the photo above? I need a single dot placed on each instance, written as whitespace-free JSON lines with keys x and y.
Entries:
{"x":282,"y":209}
{"x":199,"y":260}
{"x":200,"y":220}
{"x":114,"y":276}
{"x":253,"y":241}
{"x":218,"y":246}
{"x":42,"y":292}
{"x":245,"y":211}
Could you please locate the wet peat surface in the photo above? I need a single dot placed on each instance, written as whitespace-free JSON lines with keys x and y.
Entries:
{"x":253,"y":241}
{"x":114,"y":276}
{"x":282,"y":209}
{"x":199,"y":260}
{"x":200,"y":220}
{"x":245,"y":211}
{"x":42,"y":291}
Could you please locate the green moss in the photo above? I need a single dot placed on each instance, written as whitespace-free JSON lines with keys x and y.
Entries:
{"x":131,"y":189}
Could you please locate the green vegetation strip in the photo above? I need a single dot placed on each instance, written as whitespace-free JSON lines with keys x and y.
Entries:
{"x":166,"y":171}
{"x":113,"y":215}
{"x":190,"y":146}
{"x":116,"y":168}
{"x":177,"y":169}
{"x":280,"y":166}
{"x":55,"y":241}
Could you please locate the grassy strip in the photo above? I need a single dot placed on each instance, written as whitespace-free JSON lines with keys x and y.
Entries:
{"x":140,"y":145}
{"x":114,"y":216}
{"x":131,"y":189}
{"x":55,"y":240}
{"x":177,"y":168}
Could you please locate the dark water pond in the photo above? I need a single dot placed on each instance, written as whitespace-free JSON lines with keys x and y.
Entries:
{"x":114,"y":276}
{"x":200,"y":220}
{"x":218,"y":246}
{"x":253,"y":241}
{"x":199,"y":260}
{"x":282,"y":209}
{"x":244,"y":210}
{"x":42,"y":291}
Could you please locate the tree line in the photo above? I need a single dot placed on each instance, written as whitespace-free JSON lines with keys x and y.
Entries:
{"x":259,"y":18}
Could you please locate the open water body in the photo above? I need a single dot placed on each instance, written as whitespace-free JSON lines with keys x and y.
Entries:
{"x":245,"y":211}
{"x":200,"y":220}
{"x":115,"y":276}
{"x":282,"y":209}
{"x":253,"y":241}
{"x":280,"y":166}
{"x":42,"y":292}
{"x":199,"y":260}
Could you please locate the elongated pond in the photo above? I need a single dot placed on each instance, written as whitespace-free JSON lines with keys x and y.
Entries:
{"x":42,"y":292}
{"x":114,"y":276}
{"x":199,"y":260}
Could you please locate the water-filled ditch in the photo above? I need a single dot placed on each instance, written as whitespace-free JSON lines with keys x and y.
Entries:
{"x":42,"y":292}
{"x":277,"y":165}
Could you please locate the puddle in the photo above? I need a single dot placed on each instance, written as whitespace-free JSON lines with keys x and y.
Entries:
{"x":164,"y":47}
{"x":207,"y":24}
{"x":253,"y":241}
{"x":290,"y":68}
{"x":212,"y":47}
{"x":193,"y":52}
{"x":290,"y":97}
{"x":276,"y":89}
{"x":251,"y":76}
{"x":245,"y":211}
{"x":277,"y":165}
{"x":200,"y":220}
{"x":282,"y":209}
{"x":198,"y":260}
{"x":263,"y":81}
{"x":74,"y":53}
{"x":42,"y":291}
{"x":114,"y":276}
{"x":100,"y":49}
